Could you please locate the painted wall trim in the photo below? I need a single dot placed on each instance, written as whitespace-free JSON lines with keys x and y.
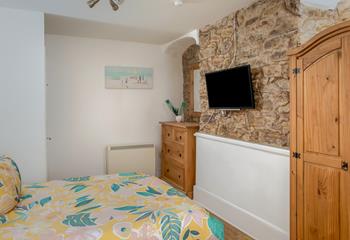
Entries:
{"x":179,"y":46}
{"x":246,"y":184}
{"x":252,"y":225}
{"x":265,"y":148}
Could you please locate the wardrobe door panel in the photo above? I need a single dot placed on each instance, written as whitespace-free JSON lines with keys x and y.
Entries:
{"x":321,"y":106}
{"x":322,"y":198}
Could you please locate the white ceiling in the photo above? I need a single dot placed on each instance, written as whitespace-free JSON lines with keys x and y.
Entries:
{"x":150,"y":21}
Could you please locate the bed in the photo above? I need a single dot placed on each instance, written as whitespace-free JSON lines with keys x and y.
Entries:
{"x":120,"y":206}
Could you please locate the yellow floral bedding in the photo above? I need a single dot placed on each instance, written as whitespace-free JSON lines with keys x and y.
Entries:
{"x":123,"y":206}
{"x":10,"y":184}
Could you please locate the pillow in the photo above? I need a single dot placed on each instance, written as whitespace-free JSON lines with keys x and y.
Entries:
{"x":10,"y":184}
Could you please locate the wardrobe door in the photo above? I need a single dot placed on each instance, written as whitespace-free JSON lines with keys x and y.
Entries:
{"x":345,"y":139}
{"x":320,"y":142}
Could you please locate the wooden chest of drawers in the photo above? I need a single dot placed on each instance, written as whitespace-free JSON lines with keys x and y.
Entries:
{"x":179,"y":155}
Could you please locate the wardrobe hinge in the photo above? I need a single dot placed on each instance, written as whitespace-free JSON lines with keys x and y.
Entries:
{"x":296,"y":155}
{"x":296,"y":71}
{"x":345,"y":166}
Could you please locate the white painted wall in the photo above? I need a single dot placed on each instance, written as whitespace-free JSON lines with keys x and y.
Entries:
{"x":246,"y":184}
{"x":83,"y":117}
{"x":22,"y":91}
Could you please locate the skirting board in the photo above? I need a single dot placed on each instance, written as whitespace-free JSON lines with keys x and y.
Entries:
{"x":246,"y":222}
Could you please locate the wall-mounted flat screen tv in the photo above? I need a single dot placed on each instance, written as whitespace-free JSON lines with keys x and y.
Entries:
{"x":230,"y":89}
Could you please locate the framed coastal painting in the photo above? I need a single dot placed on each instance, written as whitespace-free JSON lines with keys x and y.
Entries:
{"x":128,"y":77}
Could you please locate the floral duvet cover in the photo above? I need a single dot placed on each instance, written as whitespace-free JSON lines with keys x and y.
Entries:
{"x":121,"y":206}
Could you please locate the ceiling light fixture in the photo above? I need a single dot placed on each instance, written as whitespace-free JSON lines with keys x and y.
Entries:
{"x":114,"y":3}
{"x":178,"y":3}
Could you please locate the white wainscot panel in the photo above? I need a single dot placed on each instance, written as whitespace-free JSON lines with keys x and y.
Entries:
{"x":246,"y":184}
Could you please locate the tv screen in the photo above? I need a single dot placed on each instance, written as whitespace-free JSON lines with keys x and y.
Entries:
{"x":230,"y":89}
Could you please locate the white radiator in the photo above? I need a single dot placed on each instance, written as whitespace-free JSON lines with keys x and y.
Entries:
{"x":131,"y":158}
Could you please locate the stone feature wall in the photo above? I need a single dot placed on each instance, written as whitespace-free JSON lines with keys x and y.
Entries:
{"x":344,"y":10}
{"x":315,"y":20}
{"x":259,"y":35}
{"x":189,"y":59}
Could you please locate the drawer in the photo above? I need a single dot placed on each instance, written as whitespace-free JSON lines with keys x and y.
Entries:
{"x":174,"y":173}
{"x":174,"y":151}
{"x":168,"y":133}
{"x":180,"y":136}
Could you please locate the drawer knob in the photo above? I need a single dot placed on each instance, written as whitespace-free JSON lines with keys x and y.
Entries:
{"x":168,"y":134}
{"x":168,"y":150}
{"x":179,"y":176}
{"x":180,"y":137}
{"x":167,"y":170}
{"x":180,"y":155}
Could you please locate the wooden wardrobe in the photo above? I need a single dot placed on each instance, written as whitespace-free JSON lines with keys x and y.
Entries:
{"x":320,"y":136}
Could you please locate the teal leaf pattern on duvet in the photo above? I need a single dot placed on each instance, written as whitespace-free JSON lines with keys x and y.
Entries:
{"x":151,"y":214}
{"x":89,"y":209}
{"x":217,"y":227}
{"x":36,"y":186}
{"x":145,"y":194}
{"x":78,"y":187}
{"x":115,"y":187}
{"x":79,"y":220}
{"x":33,"y":204}
{"x":186,"y":235}
{"x":82,"y":201}
{"x":3,"y":219}
{"x":45,"y":201}
{"x":127,"y":174}
{"x":129,"y":209}
{"x":27,"y":196}
{"x":41,"y":202}
{"x":78,"y":179}
{"x":192,"y":233}
{"x":171,"y":227}
{"x":21,"y":215}
{"x":144,"y":215}
{"x":174,"y":192}
{"x":150,"y":192}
